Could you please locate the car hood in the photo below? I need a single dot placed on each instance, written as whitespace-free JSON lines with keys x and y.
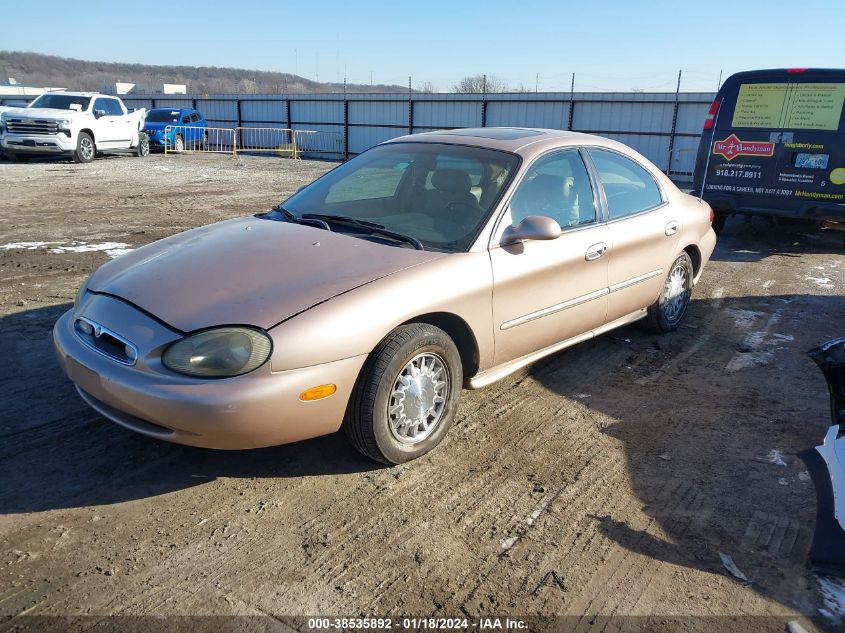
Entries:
{"x":42,"y":113}
{"x":158,"y":125}
{"x":248,"y":271}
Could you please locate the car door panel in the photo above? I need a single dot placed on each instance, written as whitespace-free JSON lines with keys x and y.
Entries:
{"x":106,"y":131}
{"x":643,"y":231}
{"x":639,"y":257}
{"x":545,"y":292}
{"x":548,"y":291}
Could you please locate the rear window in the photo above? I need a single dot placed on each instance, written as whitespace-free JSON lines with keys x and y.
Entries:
{"x":790,"y":106}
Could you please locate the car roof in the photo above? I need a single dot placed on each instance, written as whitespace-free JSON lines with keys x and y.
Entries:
{"x":526,"y":142}
{"x":77,"y":94}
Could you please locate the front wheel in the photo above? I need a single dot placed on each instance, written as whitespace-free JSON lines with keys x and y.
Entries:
{"x":179,"y":143}
{"x":406,"y":396}
{"x":665,"y":314}
{"x":85,"y":149}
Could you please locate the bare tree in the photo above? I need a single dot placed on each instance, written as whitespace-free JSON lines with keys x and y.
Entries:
{"x":480,"y":84}
{"x":427,"y":87}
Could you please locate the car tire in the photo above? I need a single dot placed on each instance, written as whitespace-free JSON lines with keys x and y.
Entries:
{"x":204,"y":144}
{"x":178,"y":143}
{"x":719,"y":220}
{"x":665,"y":314}
{"x":86,"y":150}
{"x":143,"y":149}
{"x":409,"y":364}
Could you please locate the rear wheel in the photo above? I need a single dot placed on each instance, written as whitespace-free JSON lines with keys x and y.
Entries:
{"x":406,"y":396}
{"x":179,"y":143}
{"x":85,"y":149}
{"x":665,"y":314}
{"x":143,"y":148}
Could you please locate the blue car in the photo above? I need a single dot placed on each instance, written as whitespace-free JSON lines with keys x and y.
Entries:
{"x":187,"y":129}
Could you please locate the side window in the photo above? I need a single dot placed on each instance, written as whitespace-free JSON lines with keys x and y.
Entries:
{"x":195,"y":117}
{"x":102,"y":105}
{"x":628,"y":187}
{"x":186,"y":118}
{"x":558,"y":187}
{"x":114,"y":108}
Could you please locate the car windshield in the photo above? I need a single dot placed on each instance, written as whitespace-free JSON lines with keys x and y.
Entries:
{"x":163,"y":116}
{"x":436,"y":193}
{"x":60,"y":102}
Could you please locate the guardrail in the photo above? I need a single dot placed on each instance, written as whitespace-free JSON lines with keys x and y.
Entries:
{"x":287,"y":142}
{"x":180,"y":139}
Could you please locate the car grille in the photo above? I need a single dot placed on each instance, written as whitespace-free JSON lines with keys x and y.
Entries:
{"x":31,"y":126}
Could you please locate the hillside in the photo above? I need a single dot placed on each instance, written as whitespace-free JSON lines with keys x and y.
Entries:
{"x":34,"y":69}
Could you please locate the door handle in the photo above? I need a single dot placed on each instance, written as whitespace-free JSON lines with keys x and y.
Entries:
{"x":595,"y":251}
{"x":671,"y":227}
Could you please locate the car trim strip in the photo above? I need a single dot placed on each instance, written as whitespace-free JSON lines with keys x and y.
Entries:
{"x":635,"y":280}
{"x":571,"y":303}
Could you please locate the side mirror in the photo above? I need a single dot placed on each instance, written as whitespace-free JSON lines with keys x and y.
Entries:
{"x":99,"y":113}
{"x":532,"y":227}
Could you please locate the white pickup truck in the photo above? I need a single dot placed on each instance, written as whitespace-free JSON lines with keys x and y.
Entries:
{"x":75,"y":124}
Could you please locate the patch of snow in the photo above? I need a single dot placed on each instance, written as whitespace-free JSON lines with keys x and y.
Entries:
{"x":833,"y":596}
{"x":112,"y":249}
{"x":28,"y":246}
{"x":776,"y":457}
{"x":821,"y":282}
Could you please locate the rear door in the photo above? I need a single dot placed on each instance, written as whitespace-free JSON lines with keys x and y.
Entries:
{"x":643,"y":238}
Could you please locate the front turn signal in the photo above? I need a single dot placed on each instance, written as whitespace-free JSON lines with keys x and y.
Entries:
{"x":317,"y":393}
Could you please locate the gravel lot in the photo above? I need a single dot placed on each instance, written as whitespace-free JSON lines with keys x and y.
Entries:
{"x":604,"y":481}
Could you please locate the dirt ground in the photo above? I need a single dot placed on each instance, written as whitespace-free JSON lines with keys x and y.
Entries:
{"x":603,"y":481}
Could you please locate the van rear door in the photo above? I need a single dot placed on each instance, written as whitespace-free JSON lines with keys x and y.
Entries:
{"x":779,"y":145}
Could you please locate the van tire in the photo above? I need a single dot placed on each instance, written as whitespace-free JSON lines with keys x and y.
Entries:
{"x":719,"y":220}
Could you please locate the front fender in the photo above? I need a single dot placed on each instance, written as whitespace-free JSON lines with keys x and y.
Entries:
{"x":355,"y":322}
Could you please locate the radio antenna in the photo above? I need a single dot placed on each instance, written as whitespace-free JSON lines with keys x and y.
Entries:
{"x":710,"y":151}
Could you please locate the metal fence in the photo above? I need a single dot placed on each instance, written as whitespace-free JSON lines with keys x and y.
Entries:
{"x":179,"y":139}
{"x":186,"y":138}
{"x":665,"y":127}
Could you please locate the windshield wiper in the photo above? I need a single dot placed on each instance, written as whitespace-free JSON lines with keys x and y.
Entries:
{"x":373,"y":227}
{"x":290,"y":217}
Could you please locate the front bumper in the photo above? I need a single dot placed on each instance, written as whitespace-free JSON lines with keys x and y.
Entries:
{"x":37,"y":144}
{"x":258,"y":409}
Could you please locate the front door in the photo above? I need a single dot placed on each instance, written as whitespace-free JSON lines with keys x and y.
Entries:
{"x":545,"y":292}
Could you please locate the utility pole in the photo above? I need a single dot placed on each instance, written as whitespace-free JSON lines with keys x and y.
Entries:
{"x":536,"y":83}
{"x":719,"y":83}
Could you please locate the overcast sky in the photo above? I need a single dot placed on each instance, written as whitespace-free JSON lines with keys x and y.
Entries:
{"x":609,"y":45}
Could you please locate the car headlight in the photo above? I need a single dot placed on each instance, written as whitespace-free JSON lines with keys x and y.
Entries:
{"x":219,"y":353}
{"x":80,"y":293}
{"x":65,"y":124}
